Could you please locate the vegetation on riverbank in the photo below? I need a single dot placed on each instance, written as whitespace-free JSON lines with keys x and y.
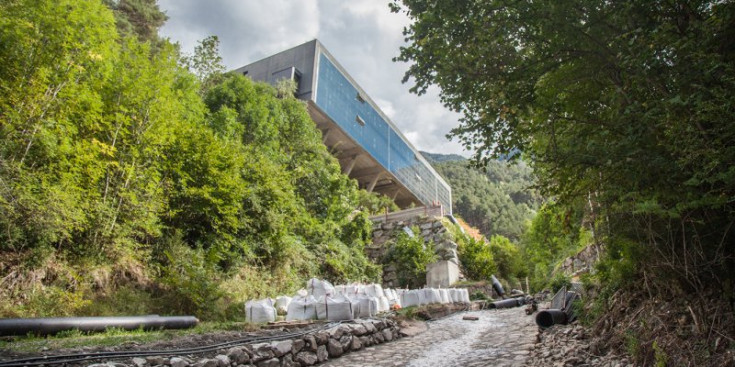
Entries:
{"x":134,"y":180}
{"x":623,"y":110}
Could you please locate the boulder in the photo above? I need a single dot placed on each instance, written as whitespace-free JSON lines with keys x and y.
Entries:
{"x":297,"y":345}
{"x":238,"y":355}
{"x":334,"y":348}
{"x":322,"y":354}
{"x":306,"y":358}
{"x":222,"y":360}
{"x":282,"y":347}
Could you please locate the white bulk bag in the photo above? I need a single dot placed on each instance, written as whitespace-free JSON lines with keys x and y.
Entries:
{"x":336,"y":308}
{"x":367,"y":306}
{"x":374,"y":290}
{"x":383,"y":304}
{"x":301,"y":308}
{"x":431,"y":296}
{"x":454,"y":295}
{"x":410,"y":298}
{"x":465,"y":295}
{"x":260,"y":311}
{"x":339,"y":290}
{"x":445,"y":296}
{"x":282,"y":304}
{"x":319,"y":288}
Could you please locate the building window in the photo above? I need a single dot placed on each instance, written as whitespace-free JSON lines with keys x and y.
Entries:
{"x":359,"y":120}
{"x":359,"y":98}
{"x":245,"y":72}
{"x":297,"y":80}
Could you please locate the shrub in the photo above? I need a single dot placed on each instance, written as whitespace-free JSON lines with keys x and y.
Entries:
{"x":476,"y":258}
{"x":411,"y":255}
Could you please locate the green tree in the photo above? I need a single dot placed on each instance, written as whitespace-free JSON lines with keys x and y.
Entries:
{"x":625,"y":105}
{"x":476,"y":258}
{"x":410,"y":255}
{"x":52,"y":69}
{"x":206,"y":63}
{"x":138,"y":18}
{"x":507,"y":257}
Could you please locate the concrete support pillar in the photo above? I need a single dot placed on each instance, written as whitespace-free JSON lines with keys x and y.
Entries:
{"x":374,"y":182}
{"x":350,"y":165}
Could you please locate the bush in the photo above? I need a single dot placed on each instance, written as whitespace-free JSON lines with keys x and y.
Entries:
{"x":559,"y":280}
{"x":476,"y":258}
{"x":411,"y":255}
{"x":507,"y":258}
{"x":192,"y":282}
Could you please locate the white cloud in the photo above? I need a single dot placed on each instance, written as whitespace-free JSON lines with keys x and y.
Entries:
{"x":362,"y":35}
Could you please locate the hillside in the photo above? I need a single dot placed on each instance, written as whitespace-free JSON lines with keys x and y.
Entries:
{"x":138,"y":180}
{"x":498,"y":201}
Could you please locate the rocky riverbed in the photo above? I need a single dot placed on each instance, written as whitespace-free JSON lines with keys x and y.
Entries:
{"x":571,"y":345}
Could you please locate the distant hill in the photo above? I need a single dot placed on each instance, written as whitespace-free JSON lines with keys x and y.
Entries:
{"x":498,"y":201}
{"x":438,"y":157}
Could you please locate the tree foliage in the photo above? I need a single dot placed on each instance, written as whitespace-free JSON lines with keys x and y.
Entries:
{"x":626,"y":105}
{"x":625,"y":102}
{"x":477,"y":259}
{"x":410,"y":255}
{"x":121,"y":169}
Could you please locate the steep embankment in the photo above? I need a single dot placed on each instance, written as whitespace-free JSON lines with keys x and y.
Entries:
{"x":132,"y":185}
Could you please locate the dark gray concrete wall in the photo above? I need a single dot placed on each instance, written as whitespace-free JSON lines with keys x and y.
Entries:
{"x":272,"y":68}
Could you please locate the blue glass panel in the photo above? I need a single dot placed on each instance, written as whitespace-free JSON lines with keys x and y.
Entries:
{"x":337,"y":97}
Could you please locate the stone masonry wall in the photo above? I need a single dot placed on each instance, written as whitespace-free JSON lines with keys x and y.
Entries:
{"x":583,"y":261}
{"x":308,"y":350}
{"x":431,"y":229}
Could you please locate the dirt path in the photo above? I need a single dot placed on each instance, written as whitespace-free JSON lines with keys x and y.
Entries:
{"x":498,"y":338}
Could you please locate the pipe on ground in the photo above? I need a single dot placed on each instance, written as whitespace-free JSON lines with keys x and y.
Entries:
{"x":497,"y":286}
{"x":551,"y":317}
{"x":506,"y":303}
{"x":53,"y":325}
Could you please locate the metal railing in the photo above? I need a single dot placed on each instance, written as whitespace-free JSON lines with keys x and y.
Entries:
{"x":432,"y":211}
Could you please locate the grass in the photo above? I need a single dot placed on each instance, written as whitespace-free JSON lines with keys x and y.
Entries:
{"x":72,"y":339}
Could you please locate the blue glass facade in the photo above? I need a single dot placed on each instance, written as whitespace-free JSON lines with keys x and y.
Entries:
{"x":355,"y":115}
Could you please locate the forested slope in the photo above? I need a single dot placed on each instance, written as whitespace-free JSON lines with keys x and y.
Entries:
{"x":498,"y":200}
{"x":133,"y":180}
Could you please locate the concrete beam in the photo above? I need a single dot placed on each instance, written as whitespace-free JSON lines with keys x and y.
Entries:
{"x":349,"y":152}
{"x":367,"y":173}
{"x":350,"y":165}
{"x":373,"y":182}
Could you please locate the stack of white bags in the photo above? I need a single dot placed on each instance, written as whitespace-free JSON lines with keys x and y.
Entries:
{"x":323,"y":301}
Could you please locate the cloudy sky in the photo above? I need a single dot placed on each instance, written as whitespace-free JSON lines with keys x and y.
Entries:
{"x":362,"y":35}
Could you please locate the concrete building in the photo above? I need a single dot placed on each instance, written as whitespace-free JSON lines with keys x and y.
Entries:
{"x":368,"y":145}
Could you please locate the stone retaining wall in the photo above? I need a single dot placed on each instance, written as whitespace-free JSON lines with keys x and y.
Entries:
{"x":431,"y":229}
{"x":308,"y":350}
{"x":583,"y":261}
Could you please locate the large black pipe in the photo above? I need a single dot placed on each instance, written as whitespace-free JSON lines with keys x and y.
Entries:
{"x":53,"y":325}
{"x":497,"y":286}
{"x":506,"y":303}
{"x":550,"y":317}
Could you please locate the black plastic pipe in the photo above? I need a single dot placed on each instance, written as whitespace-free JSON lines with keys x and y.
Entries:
{"x":551,"y":317}
{"x":497,"y":286}
{"x":53,"y":325}
{"x":506,"y":303}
